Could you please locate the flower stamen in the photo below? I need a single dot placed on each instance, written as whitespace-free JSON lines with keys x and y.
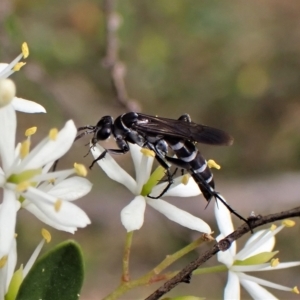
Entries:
{"x":148,"y":152}
{"x":212,"y":164}
{"x":80,"y":169}
{"x":25,"y":50}
{"x":185,"y":179}
{"x":57,"y":205}
{"x":288,"y":223}
{"x":3,"y":261}
{"x":53,"y":134}
{"x":25,"y":148}
{"x":30,"y":131}
{"x":17,"y":67}
{"x":23,"y":186}
{"x":46,"y":235}
{"x":274,"y":262}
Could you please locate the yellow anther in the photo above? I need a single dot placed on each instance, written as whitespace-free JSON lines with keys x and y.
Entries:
{"x":288,"y":223}
{"x":295,"y":290}
{"x":80,"y":169}
{"x":185,"y":179}
{"x":273,"y":227}
{"x":25,"y":147}
{"x":15,"y":235}
{"x":148,"y":152}
{"x":51,"y":180}
{"x":3,"y":261}
{"x":212,"y":164}
{"x":30,"y":131}
{"x":53,"y":134}
{"x":57,"y":205}
{"x":18,"y":66}
{"x":25,"y":50}
{"x":46,"y":235}
{"x":274,"y":262}
{"x":23,"y":186}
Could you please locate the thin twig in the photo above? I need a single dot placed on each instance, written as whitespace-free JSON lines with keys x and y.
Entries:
{"x":126,"y":257}
{"x":111,"y":61}
{"x":185,"y":274}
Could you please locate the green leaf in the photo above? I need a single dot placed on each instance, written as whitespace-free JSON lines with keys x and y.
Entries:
{"x":58,"y":275}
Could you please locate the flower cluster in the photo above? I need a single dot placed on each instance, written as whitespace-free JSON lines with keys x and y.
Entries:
{"x":7,"y":88}
{"x":256,"y":256}
{"x":26,"y":179}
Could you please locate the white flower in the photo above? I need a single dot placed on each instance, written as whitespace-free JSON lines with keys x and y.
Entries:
{"x":6,"y":70}
{"x":254,"y":257}
{"x":27,"y":182}
{"x":10,"y":281}
{"x":132,"y":216}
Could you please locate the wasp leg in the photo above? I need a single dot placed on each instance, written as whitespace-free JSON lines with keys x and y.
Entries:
{"x":217,"y":196}
{"x":170,"y":182}
{"x":88,"y":130}
{"x":102,"y":155}
{"x":203,"y":185}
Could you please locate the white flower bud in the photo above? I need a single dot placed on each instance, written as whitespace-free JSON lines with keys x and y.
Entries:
{"x":7,"y":91}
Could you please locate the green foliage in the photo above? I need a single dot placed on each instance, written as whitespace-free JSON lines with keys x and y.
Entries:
{"x":56,"y":275}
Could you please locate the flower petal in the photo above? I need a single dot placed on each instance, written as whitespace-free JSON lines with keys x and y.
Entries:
{"x":7,"y":136}
{"x":261,"y":241}
{"x":179,"y":216}
{"x":71,"y":188}
{"x":268,"y":243}
{"x":281,"y":266}
{"x":27,"y":106}
{"x":11,"y":263}
{"x":264,"y":282}
{"x":256,"y":291}
{"x":223,"y":218}
{"x":113,"y":170}
{"x":68,"y":214}
{"x":8,"y":212}
{"x":132,"y":215}
{"x":250,"y":268}
{"x":142,"y":164}
{"x":3,"y":277}
{"x":226,"y":227}
{"x":50,"y":150}
{"x":226,"y":257}
{"x":232,"y":289}
{"x":44,"y":218}
{"x":178,"y":189}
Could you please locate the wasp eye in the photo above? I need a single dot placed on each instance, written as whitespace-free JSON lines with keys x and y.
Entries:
{"x":103,"y":133}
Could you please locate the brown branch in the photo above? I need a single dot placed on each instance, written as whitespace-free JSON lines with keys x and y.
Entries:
{"x":111,"y":61}
{"x":185,"y":274}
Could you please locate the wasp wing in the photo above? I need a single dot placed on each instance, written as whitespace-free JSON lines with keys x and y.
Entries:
{"x":181,"y":129}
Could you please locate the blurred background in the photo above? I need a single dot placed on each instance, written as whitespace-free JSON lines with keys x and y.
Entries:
{"x":233,"y":65}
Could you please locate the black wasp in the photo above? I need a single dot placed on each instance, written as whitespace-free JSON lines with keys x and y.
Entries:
{"x":157,"y":134}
